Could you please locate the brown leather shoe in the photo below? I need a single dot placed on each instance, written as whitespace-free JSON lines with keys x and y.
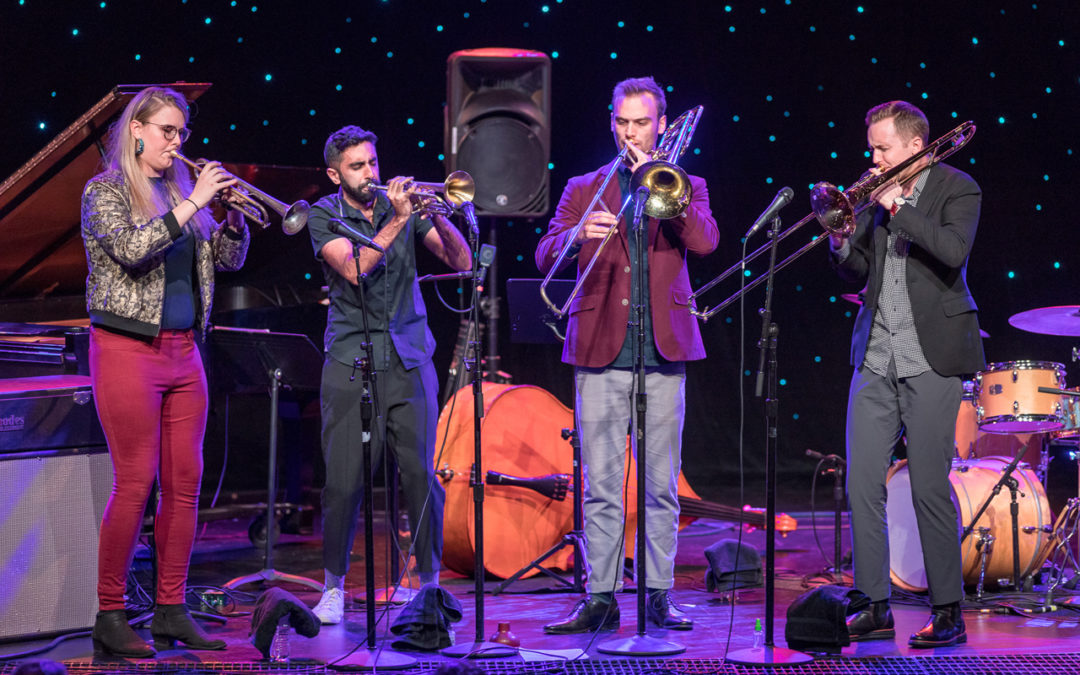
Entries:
{"x":945,"y":628}
{"x":589,"y":614}
{"x":873,"y":623}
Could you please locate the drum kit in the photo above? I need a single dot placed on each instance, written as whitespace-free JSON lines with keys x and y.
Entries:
{"x":1009,"y":416}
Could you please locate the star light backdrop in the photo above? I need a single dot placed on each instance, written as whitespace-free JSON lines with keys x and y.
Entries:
{"x":785,"y":85}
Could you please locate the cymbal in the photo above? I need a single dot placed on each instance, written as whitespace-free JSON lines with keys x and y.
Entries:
{"x":1060,"y":320}
{"x":854,"y":298}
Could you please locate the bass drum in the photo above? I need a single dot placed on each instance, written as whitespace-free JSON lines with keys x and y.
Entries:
{"x":972,"y":482}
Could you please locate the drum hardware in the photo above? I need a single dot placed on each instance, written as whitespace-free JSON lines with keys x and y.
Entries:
{"x":985,"y":547}
{"x":1008,"y":480}
{"x":835,"y":465}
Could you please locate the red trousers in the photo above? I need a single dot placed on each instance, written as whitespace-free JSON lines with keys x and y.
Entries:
{"x":152,"y":400}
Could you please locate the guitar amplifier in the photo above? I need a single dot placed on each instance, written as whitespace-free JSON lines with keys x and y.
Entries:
{"x":49,"y":519}
{"x":48,"y":412}
{"x":55,"y":478}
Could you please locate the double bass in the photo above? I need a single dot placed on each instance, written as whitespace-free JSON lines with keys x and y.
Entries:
{"x":520,"y":438}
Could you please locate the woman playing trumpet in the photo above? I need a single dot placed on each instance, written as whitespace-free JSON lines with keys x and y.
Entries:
{"x":152,"y":251}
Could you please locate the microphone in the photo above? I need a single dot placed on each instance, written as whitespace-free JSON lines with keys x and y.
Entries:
{"x":352,"y":234}
{"x":469,"y":209}
{"x":779,"y":201}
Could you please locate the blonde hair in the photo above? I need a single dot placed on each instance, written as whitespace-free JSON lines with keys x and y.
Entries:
{"x":146,"y":202}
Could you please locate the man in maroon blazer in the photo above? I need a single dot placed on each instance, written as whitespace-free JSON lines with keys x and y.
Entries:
{"x":600,"y":345}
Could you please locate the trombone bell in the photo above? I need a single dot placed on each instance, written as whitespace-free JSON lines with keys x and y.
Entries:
{"x":668,"y":186}
{"x":833,"y":209}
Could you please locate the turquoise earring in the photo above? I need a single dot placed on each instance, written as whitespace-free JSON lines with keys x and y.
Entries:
{"x":139,"y":145}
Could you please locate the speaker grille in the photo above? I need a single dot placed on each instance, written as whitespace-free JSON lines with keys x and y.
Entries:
{"x":50,"y":514}
{"x":506,"y":159}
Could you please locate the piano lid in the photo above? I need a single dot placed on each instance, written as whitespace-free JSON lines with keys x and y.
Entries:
{"x":43,"y":257}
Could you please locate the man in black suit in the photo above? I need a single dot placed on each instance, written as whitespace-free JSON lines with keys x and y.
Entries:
{"x":916,"y":335}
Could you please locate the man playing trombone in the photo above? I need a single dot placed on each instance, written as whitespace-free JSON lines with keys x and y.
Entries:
{"x":388,"y":227}
{"x":599,"y":343}
{"x":916,"y":334}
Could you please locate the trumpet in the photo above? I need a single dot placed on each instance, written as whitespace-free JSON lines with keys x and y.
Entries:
{"x":254,"y":202}
{"x":837,"y":211}
{"x":669,"y":194}
{"x":458,"y":188}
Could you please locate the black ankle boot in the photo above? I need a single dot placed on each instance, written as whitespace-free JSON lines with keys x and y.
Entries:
{"x":113,"y":636}
{"x":173,"y":622}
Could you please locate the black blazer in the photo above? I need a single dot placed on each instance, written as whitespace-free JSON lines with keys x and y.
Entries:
{"x":942,"y":229}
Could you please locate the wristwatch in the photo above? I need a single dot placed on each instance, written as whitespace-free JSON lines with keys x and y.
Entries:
{"x":896,"y":204}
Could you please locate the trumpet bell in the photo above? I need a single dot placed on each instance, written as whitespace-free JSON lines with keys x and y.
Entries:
{"x":294,"y":220}
{"x":832,"y":209}
{"x":459,"y":188}
{"x":668,"y":186}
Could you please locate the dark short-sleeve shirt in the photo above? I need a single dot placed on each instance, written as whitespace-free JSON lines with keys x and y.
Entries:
{"x":396,"y":314}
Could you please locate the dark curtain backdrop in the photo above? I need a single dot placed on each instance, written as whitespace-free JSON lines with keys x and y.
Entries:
{"x":785,"y":85}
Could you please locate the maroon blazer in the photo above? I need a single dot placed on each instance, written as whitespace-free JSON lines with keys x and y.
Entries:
{"x":599,"y":314}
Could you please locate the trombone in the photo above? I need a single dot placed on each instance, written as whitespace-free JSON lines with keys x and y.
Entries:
{"x":837,"y":211}
{"x":254,"y":202}
{"x":669,"y":195}
{"x":458,"y":188}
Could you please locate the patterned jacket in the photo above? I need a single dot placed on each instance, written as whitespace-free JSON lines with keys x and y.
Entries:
{"x":125,"y":287}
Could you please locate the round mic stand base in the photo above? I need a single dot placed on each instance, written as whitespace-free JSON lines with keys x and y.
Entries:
{"x":479,"y":650}
{"x":767,"y":656}
{"x":370,"y":659}
{"x":640,"y":645}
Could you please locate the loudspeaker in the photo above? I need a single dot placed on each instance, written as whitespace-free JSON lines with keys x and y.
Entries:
{"x":497,"y":127}
{"x":49,"y":518}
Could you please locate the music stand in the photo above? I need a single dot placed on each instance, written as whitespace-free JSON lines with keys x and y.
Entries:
{"x":532,"y":321}
{"x":252,"y":360}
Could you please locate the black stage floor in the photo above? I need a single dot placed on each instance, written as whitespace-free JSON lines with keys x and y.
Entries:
{"x":1013,"y":642}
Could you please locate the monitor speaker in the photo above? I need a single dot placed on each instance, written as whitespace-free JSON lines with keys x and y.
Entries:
{"x":498,"y":127}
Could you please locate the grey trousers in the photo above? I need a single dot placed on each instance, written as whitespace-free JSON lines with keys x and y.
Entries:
{"x":409,"y":399}
{"x":605,"y":403}
{"x":880,"y":409}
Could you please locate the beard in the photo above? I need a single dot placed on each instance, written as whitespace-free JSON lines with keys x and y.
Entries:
{"x":364,"y":194}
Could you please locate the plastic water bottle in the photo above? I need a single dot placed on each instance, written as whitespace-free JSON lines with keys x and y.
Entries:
{"x":279,"y":647}
{"x":759,"y":634}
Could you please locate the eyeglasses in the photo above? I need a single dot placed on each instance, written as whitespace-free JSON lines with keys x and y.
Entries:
{"x":169,"y":131}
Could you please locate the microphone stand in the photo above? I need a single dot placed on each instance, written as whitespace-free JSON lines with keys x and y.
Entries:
{"x":769,"y":654}
{"x":835,"y":465}
{"x":479,"y":648}
{"x":640,"y":644}
{"x":370,"y":658}
{"x":1008,"y":480}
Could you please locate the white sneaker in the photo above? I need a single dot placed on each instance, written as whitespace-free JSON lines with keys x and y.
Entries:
{"x":331,"y":608}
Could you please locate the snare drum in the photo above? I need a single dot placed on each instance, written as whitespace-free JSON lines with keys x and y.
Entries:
{"x":1008,"y":401}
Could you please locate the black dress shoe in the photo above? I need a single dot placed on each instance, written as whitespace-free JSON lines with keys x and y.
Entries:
{"x":589,"y":614}
{"x":113,"y":636}
{"x":944,"y":629}
{"x":173,"y":622}
{"x":873,"y":623}
{"x":663,"y":612}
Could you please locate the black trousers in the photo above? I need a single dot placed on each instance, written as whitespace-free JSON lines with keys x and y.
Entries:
{"x":409,"y":404}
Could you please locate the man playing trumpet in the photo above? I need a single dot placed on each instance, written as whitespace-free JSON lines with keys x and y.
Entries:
{"x":402,"y":348}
